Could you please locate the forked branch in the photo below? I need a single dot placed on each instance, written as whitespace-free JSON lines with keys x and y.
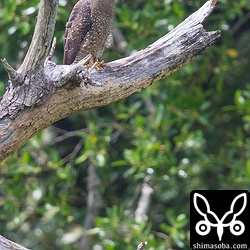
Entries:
{"x":50,"y":92}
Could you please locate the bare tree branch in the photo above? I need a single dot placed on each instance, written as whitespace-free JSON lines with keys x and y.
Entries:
{"x":51,"y":92}
{"x":94,"y":205}
{"x":143,"y":204}
{"x":6,"y":244}
{"x":42,"y":37}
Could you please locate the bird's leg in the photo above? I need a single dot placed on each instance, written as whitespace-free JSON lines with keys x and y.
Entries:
{"x":91,"y":62}
{"x":97,"y":65}
{"x":86,"y":76}
{"x":103,"y":64}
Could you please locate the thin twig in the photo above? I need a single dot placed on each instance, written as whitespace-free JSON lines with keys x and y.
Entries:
{"x":67,"y":134}
{"x":73,"y":154}
{"x":52,"y":50}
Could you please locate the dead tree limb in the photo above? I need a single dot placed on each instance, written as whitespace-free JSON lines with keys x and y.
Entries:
{"x":94,"y":205}
{"x":6,"y":244}
{"x":41,"y":92}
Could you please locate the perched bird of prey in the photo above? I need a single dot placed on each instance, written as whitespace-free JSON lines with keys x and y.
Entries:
{"x":88,"y":30}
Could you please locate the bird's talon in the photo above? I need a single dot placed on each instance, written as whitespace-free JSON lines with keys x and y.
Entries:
{"x":103,"y":64}
{"x":97,"y":65}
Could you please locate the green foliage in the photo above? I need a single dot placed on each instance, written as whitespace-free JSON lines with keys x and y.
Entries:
{"x":188,"y":131}
{"x":119,"y":230}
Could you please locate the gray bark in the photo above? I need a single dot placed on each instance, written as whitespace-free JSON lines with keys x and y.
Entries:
{"x":6,"y":244}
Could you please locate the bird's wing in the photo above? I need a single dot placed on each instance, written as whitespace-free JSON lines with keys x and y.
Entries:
{"x":76,"y":28}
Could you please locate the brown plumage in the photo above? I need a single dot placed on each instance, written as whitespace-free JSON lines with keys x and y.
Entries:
{"x":88,"y":30}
